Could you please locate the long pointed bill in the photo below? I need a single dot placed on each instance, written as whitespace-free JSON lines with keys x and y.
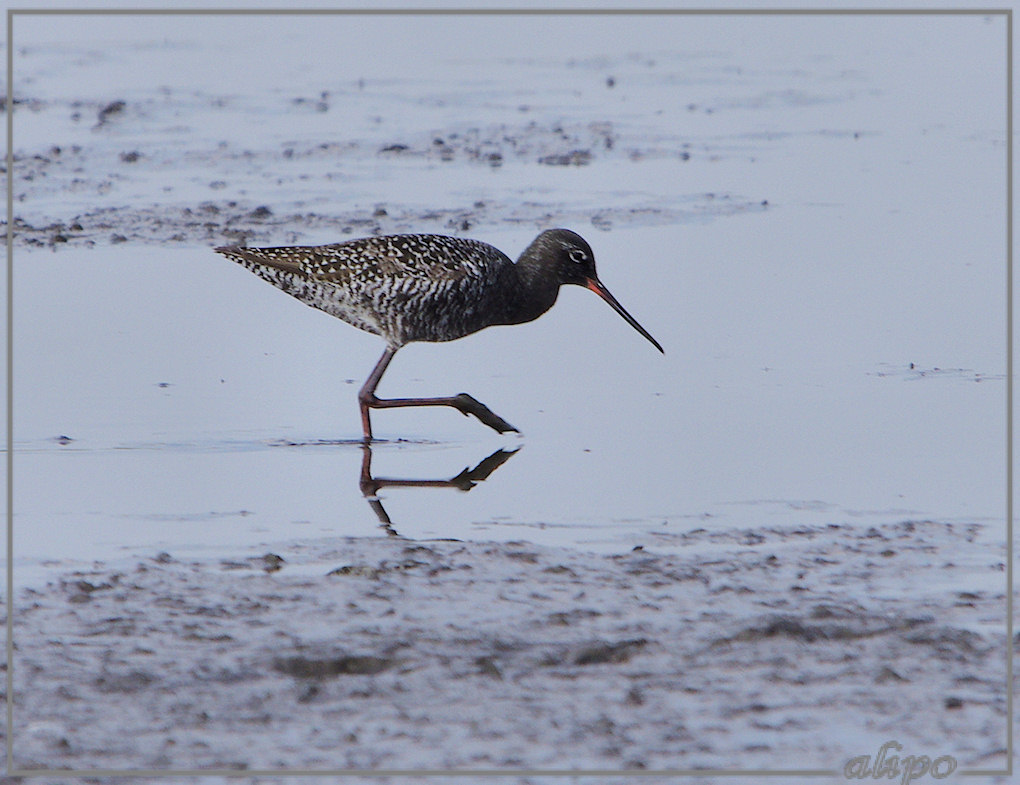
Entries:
{"x":596,"y":286}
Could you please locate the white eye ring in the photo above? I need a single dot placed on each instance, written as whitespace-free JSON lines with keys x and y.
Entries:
{"x":577,"y":255}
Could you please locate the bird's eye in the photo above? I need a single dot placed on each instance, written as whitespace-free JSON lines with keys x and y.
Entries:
{"x":577,"y":255}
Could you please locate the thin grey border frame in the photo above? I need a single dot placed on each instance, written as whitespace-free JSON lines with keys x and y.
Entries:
{"x":9,"y":107}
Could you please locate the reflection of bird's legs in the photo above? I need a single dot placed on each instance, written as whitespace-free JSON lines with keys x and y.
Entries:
{"x":369,"y":489}
{"x":464,"y":481}
{"x":464,"y":403}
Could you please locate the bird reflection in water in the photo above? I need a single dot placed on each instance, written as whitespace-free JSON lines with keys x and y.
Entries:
{"x":465,"y":481}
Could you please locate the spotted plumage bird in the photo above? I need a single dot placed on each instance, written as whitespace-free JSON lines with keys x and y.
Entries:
{"x":426,"y":287}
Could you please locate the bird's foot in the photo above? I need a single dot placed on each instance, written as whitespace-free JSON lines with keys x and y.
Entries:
{"x":468,"y":405}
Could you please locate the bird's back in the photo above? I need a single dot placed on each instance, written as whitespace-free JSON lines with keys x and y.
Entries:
{"x":412,"y":287}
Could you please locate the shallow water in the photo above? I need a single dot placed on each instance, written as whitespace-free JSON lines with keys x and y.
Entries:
{"x":814,"y":233}
{"x":239,"y":422}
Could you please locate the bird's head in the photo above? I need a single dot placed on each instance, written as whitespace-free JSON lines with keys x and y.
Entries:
{"x":570,"y":259}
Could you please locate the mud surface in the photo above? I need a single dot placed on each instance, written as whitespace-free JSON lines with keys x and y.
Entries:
{"x":385,"y":653}
{"x":229,"y":211}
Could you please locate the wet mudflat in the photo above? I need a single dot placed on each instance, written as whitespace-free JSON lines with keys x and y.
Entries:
{"x":777,"y":546}
{"x":388,"y":653}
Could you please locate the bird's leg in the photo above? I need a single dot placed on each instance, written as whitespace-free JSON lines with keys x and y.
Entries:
{"x":366,"y":395}
{"x":463,"y":403}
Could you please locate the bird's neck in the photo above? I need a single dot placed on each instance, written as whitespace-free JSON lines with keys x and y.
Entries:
{"x":536,"y":289}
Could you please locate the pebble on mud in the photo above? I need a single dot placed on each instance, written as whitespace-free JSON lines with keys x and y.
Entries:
{"x":112,"y":108}
{"x":573,"y":158}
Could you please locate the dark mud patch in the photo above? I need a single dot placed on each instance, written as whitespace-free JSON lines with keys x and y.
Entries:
{"x":306,"y":667}
{"x":236,"y":223}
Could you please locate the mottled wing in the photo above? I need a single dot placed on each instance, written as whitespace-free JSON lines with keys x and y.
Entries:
{"x":316,"y":279}
{"x":404,"y":287}
{"x":302,"y":261}
{"x":424,"y":257}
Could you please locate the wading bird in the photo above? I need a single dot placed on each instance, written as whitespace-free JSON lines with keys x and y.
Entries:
{"x":426,"y":287}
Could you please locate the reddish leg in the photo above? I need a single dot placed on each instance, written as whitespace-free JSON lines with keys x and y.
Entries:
{"x":463,"y":403}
